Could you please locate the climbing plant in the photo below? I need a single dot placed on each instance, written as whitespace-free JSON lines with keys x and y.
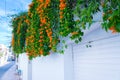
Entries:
{"x":51,"y":21}
{"x":111,"y":15}
{"x":85,"y":10}
{"x":39,"y":34}
{"x":19,"y":24}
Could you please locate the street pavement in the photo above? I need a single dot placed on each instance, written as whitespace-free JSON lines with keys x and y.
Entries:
{"x":5,"y":68}
{"x":7,"y":71}
{"x":11,"y":74}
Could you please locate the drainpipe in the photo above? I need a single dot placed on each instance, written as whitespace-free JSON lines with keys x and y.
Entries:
{"x":29,"y":69}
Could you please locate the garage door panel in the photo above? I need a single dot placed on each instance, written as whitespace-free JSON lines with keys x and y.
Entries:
{"x":98,"y":48}
{"x":99,"y":55}
{"x":92,"y":73}
{"x":102,"y":76}
{"x":99,"y":62}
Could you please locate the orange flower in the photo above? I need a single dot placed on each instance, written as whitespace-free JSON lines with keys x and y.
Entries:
{"x":62,"y":0}
{"x":43,"y":20}
{"x":74,"y":33}
{"x":41,"y":45}
{"x":61,"y":16}
{"x":40,"y":40}
{"x":50,"y":39}
{"x":41,"y":1}
{"x":32,"y":41}
{"x":12,"y":40}
{"x":113,"y":29}
{"x":41,"y":32}
{"x":41,"y":51}
{"x":19,"y":24}
{"x":61,"y":13}
{"x":47,"y":31}
{"x":41,"y":37}
{"x":27,"y":21}
{"x":41,"y":24}
{"x":62,"y":5}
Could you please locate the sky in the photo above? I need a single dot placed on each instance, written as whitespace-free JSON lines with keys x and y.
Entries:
{"x":8,"y":8}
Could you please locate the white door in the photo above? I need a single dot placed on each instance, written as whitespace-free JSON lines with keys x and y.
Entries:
{"x":98,"y":60}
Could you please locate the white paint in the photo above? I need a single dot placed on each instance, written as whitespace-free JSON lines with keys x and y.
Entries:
{"x":68,"y":63}
{"x":23,"y":66}
{"x":48,"y":68}
{"x":29,"y":70}
{"x":99,"y":62}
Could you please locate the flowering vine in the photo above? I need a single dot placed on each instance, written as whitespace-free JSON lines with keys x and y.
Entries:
{"x":45,"y":26}
{"x":20,"y":26}
{"x":40,"y":39}
{"x":111,"y":15}
{"x":48,"y":22}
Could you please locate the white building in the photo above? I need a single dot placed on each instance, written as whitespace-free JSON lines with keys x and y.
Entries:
{"x":4,"y":54}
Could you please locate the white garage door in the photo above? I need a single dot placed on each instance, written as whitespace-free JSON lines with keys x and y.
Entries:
{"x":101,"y":61}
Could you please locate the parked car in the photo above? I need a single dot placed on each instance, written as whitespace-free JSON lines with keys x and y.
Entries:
{"x":11,"y":58}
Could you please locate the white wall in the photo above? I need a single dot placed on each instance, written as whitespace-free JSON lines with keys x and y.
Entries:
{"x":50,"y":67}
{"x":23,"y":66}
{"x":68,"y":63}
{"x":101,"y":61}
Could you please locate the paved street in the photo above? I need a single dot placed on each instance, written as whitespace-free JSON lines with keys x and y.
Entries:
{"x":5,"y":68}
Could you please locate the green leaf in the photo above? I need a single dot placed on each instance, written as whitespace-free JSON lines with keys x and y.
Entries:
{"x":63,"y":41}
{"x":118,"y":27}
{"x":76,"y":41}
{"x":80,"y":39}
{"x":66,"y":46}
{"x":81,"y":33}
{"x":61,"y":51}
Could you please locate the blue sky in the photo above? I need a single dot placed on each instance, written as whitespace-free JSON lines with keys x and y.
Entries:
{"x":11,"y":7}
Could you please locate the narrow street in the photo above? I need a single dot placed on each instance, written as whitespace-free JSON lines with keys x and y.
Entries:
{"x":5,"y":68}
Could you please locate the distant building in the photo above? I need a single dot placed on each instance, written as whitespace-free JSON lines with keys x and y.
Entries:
{"x":3,"y":54}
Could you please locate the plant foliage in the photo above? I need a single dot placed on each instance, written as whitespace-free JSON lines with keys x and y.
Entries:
{"x":47,"y":22}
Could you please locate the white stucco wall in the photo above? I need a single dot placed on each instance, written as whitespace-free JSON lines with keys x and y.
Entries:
{"x":23,"y":66}
{"x":68,"y":63}
{"x":48,"y":68}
